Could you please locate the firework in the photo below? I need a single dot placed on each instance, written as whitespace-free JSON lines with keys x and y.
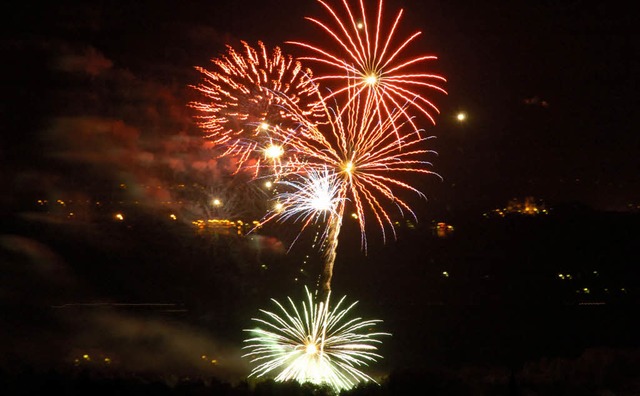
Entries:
{"x":241,"y":101}
{"x":369,"y":56}
{"x":314,"y":343}
{"x":367,"y":159}
{"x":310,"y":196}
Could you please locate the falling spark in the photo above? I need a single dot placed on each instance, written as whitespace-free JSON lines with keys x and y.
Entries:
{"x":314,"y":343}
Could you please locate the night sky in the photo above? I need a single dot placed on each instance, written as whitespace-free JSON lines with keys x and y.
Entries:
{"x":548,"y":87}
{"x":96,"y":100}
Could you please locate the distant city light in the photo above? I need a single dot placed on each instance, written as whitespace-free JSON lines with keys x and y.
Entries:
{"x":119,"y":216}
{"x":461,"y":116}
{"x":217,"y":202}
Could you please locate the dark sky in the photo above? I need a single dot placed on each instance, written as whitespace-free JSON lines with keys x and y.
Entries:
{"x":95,"y":98}
{"x":549,"y":88}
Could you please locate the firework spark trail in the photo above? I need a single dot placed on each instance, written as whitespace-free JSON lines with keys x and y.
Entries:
{"x":241,"y":98}
{"x":316,"y":343}
{"x":390,"y":81}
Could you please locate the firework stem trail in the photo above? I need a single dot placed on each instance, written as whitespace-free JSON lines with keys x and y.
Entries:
{"x":330,"y":252}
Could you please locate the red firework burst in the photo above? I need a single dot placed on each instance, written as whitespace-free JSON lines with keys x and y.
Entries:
{"x":369,"y":57}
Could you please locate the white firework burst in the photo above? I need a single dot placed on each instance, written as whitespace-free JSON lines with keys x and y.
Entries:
{"x":316,"y":344}
{"x":309,"y":197}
